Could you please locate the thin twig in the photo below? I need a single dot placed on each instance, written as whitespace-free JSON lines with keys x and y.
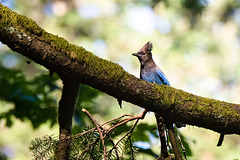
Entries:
{"x":99,"y":131}
{"x":180,"y":142}
{"x":135,"y":124}
{"x":81,"y":134}
{"x":142,"y":116}
{"x":173,"y":141}
{"x":127,"y":120}
{"x":86,"y":149}
{"x":110,"y":152}
{"x":103,"y":133}
{"x":130,"y":142}
{"x":221,"y":138}
{"x":130,"y":132}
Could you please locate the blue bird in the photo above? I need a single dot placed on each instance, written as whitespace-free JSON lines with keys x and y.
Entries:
{"x":150,"y":71}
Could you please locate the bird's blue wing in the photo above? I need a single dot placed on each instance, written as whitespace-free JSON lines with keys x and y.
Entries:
{"x":162,"y":77}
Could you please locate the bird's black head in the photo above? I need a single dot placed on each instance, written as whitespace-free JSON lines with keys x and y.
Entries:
{"x":144,"y":54}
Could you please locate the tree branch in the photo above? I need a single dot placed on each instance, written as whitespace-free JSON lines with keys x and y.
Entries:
{"x":69,"y":61}
{"x":173,"y":141}
{"x":66,"y":111}
{"x":99,"y":131}
{"x":162,"y":136}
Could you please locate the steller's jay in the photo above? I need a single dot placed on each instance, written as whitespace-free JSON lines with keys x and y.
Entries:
{"x":150,"y":71}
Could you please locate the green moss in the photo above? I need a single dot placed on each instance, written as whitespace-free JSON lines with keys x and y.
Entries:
{"x":215,"y":108}
{"x":169,"y":96}
{"x":203,"y":106}
{"x":11,"y":18}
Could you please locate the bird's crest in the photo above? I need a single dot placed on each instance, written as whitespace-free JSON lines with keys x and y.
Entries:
{"x":146,"y":47}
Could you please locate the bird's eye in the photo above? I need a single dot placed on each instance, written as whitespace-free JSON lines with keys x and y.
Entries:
{"x":143,"y":53}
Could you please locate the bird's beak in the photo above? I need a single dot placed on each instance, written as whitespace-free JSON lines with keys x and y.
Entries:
{"x":135,"y":54}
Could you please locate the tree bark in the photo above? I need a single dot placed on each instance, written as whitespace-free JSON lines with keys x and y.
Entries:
{"x":66,"y":111}
{"x":72,"y":62}
{"x":162,"y":136}
{"x":173,"y":140}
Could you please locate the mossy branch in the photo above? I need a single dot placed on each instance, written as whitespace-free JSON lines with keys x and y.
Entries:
{"x":72,"y":62}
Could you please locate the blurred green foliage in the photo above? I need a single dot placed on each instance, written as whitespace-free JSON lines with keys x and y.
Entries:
{"x":31,"y":98}
{"x":195,"y":43}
